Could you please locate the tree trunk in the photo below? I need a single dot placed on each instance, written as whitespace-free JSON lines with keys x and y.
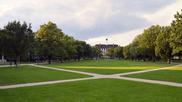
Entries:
{"x":49,"y":59}
{"x":16,"y":61}
{"x":153,"y":58}
{"x":169,"y":60}
{"x":180,"y":57}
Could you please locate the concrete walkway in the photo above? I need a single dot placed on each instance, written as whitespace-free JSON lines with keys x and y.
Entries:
{"x":44,"y":83}
{"x":152,"y":81}
{"x":149,"y":70}
{"x":66,"y":70}
{"x":4,"y":66}
{"x":96,"y":76}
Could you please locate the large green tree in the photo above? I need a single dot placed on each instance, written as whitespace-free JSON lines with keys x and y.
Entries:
{"x":126,"y":52}
{"x":18,"y":39}
{"x":176,"y":36}
{"x":163,"y":48}
{"x":3,"y":42}
{"x":118,"y":52}
{"x":70,"y":46}
{"x":148,"y":39}
{"x":80,"y":47}
{"x":52,"y":41}
{"x":110,"y":52}
{"x":96,"y":53}
{"x":136,"y":51}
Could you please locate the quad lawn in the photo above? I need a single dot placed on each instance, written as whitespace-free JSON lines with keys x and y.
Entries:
{"x":105,"y":71}
{"x":27,"y":74}
{"x":109,"y":66}
{"x":172,"y":75}
{"x":100,"y":90}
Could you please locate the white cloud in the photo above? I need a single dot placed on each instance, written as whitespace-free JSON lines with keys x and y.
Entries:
{"x":4,"y":9}
{"x":122,"y":39}
{"x":78,"y":16}
{"x":82,"y":13}
{"x":163,"y":16}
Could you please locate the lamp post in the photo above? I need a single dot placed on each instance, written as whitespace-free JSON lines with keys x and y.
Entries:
{"x":106,"y":41}
{"x":106,"y":46}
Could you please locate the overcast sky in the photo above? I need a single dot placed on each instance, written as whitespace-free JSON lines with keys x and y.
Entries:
{"x":92,"y":20}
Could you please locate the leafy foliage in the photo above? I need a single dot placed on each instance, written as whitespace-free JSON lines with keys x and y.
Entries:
{"x":176,"y":36}
{"x":163,"y":48}
{"x":15,"y":40}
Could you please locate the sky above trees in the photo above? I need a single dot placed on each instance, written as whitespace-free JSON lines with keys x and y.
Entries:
{"x":92,"y":20}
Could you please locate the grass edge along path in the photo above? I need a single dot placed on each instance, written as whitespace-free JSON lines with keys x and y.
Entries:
{"x":98,"y":90}
{"x":10,"y":75}
{"x":172,"y":74}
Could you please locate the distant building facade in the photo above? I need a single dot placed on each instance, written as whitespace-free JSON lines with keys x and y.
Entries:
{"x":105,"y":47}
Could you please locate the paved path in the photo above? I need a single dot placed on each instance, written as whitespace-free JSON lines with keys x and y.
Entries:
{"x":152,"y":81}
{"x":144,"y":71}
{"x":44,"y":83}
{"x":4,"y":66}
{"x":96,"y":76}
{"x":66,"y":70}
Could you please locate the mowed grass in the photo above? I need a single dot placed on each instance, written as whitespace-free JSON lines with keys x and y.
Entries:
{"x":100,"y":90}
{"x":109,"y":66}
{"x":27,"y":74}
{"x":111,"y":63}
{"x":173,"y":75}
{"x":105,"y":71}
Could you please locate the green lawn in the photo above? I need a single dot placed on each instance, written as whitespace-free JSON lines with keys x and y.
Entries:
{"x":109,"y":66}
{"x":112,"y":63}
{"x":26,"y":74}
{"x":173,"y":75}
{"x":101,"y":90}
{"x":105,"y":71}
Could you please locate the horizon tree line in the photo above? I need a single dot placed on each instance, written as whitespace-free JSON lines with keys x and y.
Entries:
{"x":19,"y":43}
{"x":154,"y":43}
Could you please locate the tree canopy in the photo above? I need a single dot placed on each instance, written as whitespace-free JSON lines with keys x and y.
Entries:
{"x":18,"y":43}
{"x":15,"y":40}
{"x":157,"y":42}
{"x":176,"y":36}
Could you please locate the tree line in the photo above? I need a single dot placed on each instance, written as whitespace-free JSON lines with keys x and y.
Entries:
{"x":154,"y":43}
{"x":19,"y":43}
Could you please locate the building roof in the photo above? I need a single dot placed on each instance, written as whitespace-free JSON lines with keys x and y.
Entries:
{"x":106,"y":45}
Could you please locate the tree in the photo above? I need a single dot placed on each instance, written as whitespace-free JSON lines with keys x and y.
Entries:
{"x":110,"y":52}
{"x":87,"y":51}
{"x":70,"y":47}
{"x":96,"y":52}
{"x":3,"y":41}
{"x":52,"y":41}
{"x":163,"y":48}
{"x":126,"y":52}
{"x":118,"y":52}
{"x":148,"y":39}
{"x":138,"y":49}
{"x":18,"y":40}
{"x":81,"y":49}
{"x":176,"y":36}
{"x":135,"y":51}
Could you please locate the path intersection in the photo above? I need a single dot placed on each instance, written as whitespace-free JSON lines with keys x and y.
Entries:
{"x":122,"y":76}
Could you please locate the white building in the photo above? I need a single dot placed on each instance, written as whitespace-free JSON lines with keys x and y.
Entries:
{"x":105,"y":47}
